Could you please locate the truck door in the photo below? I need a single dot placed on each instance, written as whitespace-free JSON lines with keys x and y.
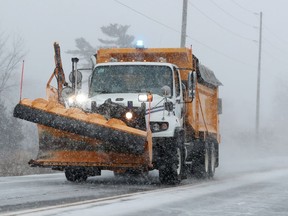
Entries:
{"x":179,"y":105}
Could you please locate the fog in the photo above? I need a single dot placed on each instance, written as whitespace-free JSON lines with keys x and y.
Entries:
{"x":224,"y":36}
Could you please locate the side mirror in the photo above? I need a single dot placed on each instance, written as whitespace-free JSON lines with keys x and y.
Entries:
{"x":93,"y":60}
{"x":73,"y":78}
{"x":67,"y":92}
{"x":166,"y":91}
{"x":219,"y":106}
{"x":192,"y":78}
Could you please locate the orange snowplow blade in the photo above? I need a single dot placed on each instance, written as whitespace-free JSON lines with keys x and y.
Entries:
{"x":71,"y":137}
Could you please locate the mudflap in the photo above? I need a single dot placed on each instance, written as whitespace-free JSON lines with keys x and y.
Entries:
{"x":70,"y":137}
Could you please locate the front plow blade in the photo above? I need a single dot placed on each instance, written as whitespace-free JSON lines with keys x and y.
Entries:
{"x":72,"y":136}
{"x":77,"y":122}
{"x":60,"y":149}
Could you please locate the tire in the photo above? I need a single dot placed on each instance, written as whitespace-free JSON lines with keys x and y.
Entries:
{"x":172,"y":162}
{"x":212,"y":161}
{"x":200,"y":161}
{"x":76,"y":175}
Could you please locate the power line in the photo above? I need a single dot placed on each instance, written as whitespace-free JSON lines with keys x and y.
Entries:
{"x":270,"y":54}
{"x":229,"y":14}
{"x":244,"y":8}
{"x":148,"y":17}
{"x":276,"y":58}
{"x":221,"y":26}
{"x":221,"y":53}
{"x":274,"y":34}
{"x":274,"y":46}
{"x":264,"y":27}
{"x":191,"y":38}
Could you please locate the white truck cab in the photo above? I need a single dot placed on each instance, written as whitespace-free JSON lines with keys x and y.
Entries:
{"x":123,"y":84}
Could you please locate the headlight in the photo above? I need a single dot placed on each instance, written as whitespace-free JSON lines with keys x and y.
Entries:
{"x":159,"y":126}
{"x":155,"y":127}
{"x":129,"y":115}
{"x":164,"y":126}
{"x":142,"y":98}
{"x":81,"y":98}
{"x":145,"y":97}
{"x":71,"y":99}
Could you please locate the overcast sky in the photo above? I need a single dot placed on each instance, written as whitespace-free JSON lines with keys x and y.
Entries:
{"x":224,"y":35}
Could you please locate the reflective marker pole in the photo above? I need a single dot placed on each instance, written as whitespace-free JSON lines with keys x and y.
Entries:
{"x":21,"y":82}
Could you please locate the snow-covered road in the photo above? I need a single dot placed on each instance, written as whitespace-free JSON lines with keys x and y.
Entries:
{"x":32,"y":191}
{"x":261,"y":188}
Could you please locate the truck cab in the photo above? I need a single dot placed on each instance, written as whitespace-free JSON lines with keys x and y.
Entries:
{"x":145,"y":96}
{"x":123,"y":84}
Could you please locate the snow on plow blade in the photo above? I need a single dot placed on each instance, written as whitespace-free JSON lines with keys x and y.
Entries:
{"x":72,"y":137}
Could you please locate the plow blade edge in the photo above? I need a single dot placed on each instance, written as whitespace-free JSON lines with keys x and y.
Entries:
{"x":92,"y":133}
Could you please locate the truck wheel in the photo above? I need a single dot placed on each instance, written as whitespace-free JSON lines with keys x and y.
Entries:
{"x":201,"y":161}
{"x":172,"y":166}
{"x":212,"y":164}
{"x":75,"y":175}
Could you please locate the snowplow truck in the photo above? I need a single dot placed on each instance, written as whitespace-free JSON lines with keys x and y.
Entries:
{"x":145,"y":109}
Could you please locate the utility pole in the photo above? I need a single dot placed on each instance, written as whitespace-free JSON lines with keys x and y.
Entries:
{"x":184,"y":23}
{"x":259,"y":79}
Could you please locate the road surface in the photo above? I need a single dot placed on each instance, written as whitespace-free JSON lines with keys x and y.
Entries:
{"x":243,"y":185}
{"x":255,"y":188}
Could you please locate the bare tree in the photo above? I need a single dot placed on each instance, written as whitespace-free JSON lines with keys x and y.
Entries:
{"x":10,"y":128}
{"x":9,"y":59}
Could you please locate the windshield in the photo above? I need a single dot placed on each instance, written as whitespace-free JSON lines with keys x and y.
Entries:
{"x":130,"y":79}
